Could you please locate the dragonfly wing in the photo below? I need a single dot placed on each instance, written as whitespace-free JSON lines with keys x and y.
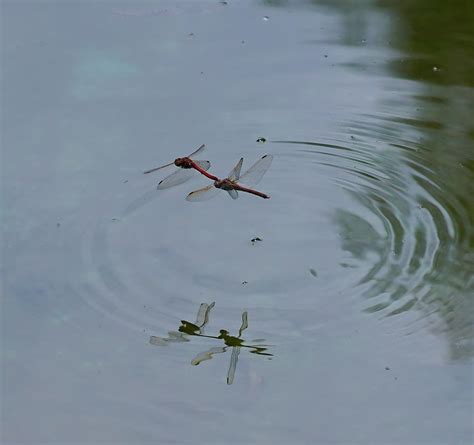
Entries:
{"x":203,"y":194}
{"x":255,"y":173}
{"x":197,"y":151}
{"x":205,"y":165}
{"x":233,"y":364}
{"x":233,"y":194}
{"x":235,"y":172}
{"x":178,"y":177}
{"x":158,"y":168}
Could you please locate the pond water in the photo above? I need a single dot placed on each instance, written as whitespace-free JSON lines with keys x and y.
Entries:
{"x":338,"y":311}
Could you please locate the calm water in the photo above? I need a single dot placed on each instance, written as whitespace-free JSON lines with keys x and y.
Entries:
{"x":131,"y":315}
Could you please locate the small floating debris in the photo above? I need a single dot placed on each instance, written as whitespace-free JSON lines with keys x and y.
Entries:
{"x":435,"y":68}
{"x":261,"y":140}
{"x":254,"y":240}
{"x":313,"y":272}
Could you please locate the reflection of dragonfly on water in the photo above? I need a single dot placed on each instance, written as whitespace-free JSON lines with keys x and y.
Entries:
{"x":185,"y":171}
{"x":202,"y":319}
{"x":231,"y":184}
{"x":197,"y":329}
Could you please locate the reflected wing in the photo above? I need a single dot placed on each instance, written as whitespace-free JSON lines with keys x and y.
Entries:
{"x":205,"y":165}
{"x":158,"y":341}
{"x":233,"y":364}
{"x":197,"y":151}
{"x":202,"y":317}
{"x":245,"y":323}
{"x":235,"y":172}
{"x":207,"y":355}
{"x":178,"y":177}
{"x":255,"y":173}
{"x":233,"y":194}
{"x":203,"y":194}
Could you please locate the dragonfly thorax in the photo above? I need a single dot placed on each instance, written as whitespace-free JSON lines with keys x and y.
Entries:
{"x":225,"y":184}
{"x":183,"y":163}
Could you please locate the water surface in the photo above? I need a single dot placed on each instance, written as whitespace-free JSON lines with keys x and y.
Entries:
{"x":131,"y":315}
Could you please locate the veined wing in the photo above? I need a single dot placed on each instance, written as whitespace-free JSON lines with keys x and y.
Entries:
{"x":205,"y":165}
{"x":233,"y":194}
{"x":197,"y":151}
{"x":235,"y":172}
{"x":233,"y":364}
{"x":178,"y":177}
{"x":203,"y":194}
{"x":255,"y":173}
{"x":158,"y":168}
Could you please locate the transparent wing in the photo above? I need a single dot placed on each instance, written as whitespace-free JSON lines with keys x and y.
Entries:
{"x":203,"y":194}
{"x":158,"y":168}
{"x":255,"y":173}
{"x":178,"y":177}
{"x":205,"y":165}
{"x":233,"y":364}
{"x":197,"y":151}
{"x":235,"y":172}
{"x":233,"y":194}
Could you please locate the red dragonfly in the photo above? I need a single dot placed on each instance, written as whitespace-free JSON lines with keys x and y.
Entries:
{"x":186,"y":170}
{"x":230,"y":184}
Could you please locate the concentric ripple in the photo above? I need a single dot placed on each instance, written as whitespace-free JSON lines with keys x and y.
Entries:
{"x":365,"y":224}
{"x":412,"y":231}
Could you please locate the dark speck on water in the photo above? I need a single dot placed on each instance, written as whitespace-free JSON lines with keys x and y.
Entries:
{"x":261,"y":140}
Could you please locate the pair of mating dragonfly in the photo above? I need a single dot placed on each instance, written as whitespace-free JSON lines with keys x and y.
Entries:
{"x":187,"y":166}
